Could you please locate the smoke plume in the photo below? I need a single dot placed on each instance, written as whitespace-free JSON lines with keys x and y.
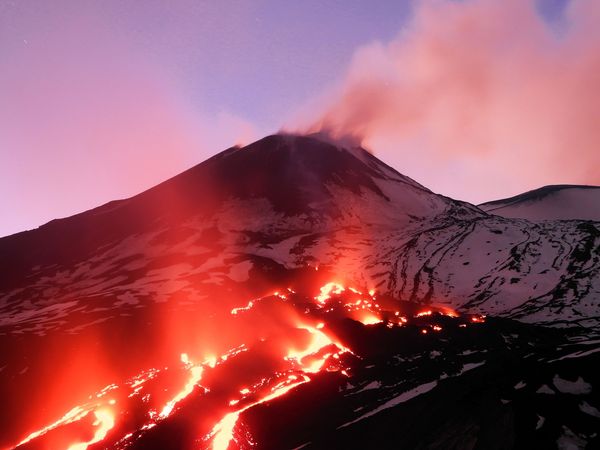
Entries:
{"x":482,"y":91}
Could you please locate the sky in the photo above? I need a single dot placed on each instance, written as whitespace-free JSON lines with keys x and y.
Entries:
{"x":475,"y":99}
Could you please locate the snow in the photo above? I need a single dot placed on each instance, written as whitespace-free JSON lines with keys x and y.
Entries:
{"x":578,"y":354}
{"x":368,"y":387}
{"x":567,"y":203}
{"x":520,"y":385}
{"x":470,"y":366}
{"x":404,"y":397}
{"x":38,"y":314}
{"x":411,"y":244}
{"x":240,"y":272}
{"x":544,"y":389}
{"x":586,"y":408}
{"x":577,"y":387}
{"x":540,"y":422}
{"x":570,"y":441}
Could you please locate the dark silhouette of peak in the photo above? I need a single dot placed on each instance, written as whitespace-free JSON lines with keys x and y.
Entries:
{"x":295,"y":175}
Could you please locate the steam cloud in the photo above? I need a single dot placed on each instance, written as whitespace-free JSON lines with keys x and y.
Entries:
{"x":485,"y":90}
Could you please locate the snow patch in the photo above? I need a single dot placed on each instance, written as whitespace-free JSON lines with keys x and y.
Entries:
{"x":586,"y":408}
{"x":520,"y":385}
{"x":577,"y":387}
{"x":570,"y":441}
{"x":544,"y":389}
{"x":404,"y":397}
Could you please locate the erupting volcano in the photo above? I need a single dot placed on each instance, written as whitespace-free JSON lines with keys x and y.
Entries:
{"x":296,"y":293}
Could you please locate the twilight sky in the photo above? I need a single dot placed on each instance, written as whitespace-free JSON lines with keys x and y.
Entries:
{"x":475,"y":99}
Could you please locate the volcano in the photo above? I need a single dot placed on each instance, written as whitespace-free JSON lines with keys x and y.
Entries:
{"x":296,"y":293}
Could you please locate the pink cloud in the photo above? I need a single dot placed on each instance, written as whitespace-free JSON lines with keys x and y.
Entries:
{"x":477,"y":99}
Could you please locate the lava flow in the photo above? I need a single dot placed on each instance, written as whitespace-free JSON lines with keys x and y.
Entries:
{"x":276,"y":344}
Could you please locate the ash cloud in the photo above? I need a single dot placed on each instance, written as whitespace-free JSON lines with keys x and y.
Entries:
{"x":483,"y":90}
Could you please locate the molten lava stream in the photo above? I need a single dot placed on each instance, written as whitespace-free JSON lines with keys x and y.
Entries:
{"x":105,"y":421}
{"x":223,"y":430}
{"x":195,"y":376}
{"x":309,"y":360}
{"x":289,"y":342}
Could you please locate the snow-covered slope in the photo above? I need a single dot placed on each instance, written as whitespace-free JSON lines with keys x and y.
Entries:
{"x":558,"y":202}
{"x":293,"y":202}
{"x":128,"y":285}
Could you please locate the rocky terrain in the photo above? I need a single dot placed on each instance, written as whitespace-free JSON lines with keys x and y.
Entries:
{"x":160,"y":293}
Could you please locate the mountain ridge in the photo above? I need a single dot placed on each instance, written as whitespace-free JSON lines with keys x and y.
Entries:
{"x":292,"y":264}
{"x":553,"y":202}
{"x":310,"y":201}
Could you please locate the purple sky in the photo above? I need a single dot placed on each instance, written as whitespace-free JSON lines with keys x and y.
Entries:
{"x":103,"y":99}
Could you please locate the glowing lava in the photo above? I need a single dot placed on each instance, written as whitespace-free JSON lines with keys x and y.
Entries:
{"x":370,"y":319}
{"x":478,"y":319}
{"x":313,"y":348}
{"x":73,"y":415}
{"x":195,"y":376}
{"x":104,"y":421}
{"x":329,"y":289}
{"x":223,"y":431}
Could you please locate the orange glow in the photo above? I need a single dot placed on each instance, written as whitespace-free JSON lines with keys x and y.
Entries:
{"x":185,"y":358}
{"x":73,"y":415}
{"x":105,"y":421}
{"x":250,"y":304}
{"x":370,"y":319}
{"x":311,"y":347}
{"x":449,"y":312}
{"x":319,"y":340}
{"x":223,"y":430}
{"x":195,"y":376}
{"x":211,"y":361}
{"x":328,"y":290}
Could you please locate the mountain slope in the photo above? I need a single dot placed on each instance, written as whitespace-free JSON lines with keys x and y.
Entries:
{"x":558,"y":202}
{"x":296,"y":202}
{"x":180,"y":269}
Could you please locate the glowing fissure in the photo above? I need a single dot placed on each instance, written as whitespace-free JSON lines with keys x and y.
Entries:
{"x":195,"y":377}
{"x":320,"y":352}
{"x":105,"y":421}
{"x":223,"y":431}
{"x":370,"y":319}
{"x":328,"y":290}
{"x":73,"y":415}
{"x":478,"y":319}
{"x":77,"y":413}
{"x":235,"y":311}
